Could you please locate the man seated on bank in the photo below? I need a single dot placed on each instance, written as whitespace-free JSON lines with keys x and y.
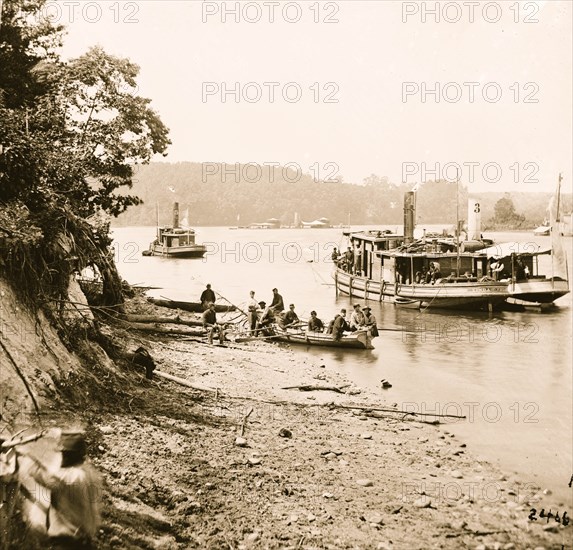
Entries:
{"x":357,"y":319}
{"x":370,"y":321}
{"x":314,"y":323}
{"x":210,"y":324}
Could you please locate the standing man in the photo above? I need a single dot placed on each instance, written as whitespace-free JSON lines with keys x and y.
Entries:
{"x":277,"y":304}
{"x":349,"y":259}
{"x":71,"y":517}
{"x":253,"y":309}
{"x":207,"y":296}
{"x":210,"y":324}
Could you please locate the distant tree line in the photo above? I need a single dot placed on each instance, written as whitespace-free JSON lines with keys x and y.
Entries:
{"x":220,"y":194}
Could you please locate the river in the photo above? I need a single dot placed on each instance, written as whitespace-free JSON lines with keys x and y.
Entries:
{"x":509,"y":373}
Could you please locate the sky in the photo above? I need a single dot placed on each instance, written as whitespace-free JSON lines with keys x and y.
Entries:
{"x":348,"y":88}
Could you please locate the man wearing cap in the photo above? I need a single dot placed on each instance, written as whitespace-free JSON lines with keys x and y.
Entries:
{"x":339,"y":325}
{"x":207,"y":296}
{"x":314,"y":323}
{"x":370,"y":321}
{"x":267,"y":319}
{"x":277,"y":304}
{"x":210,"y":324}
{"x":71,"y":514}
{"x":357,"y":319}
{"x":290,"y":318}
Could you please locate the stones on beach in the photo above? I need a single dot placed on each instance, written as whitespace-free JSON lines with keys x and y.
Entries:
{"x":254,"y":460}
{"x":364,"y":482}
{"x":327,"y":495}
{"x":284,"y":432}
{"x":422,"y":502}
{"x":240,"y":442}
{"x":328,"y":455}
{"x":551,"y":527}
{"x":456,"y":474}
{"x":374,"y":518}
{"x":366,"y":436}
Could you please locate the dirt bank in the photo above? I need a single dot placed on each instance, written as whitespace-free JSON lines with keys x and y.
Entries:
{"x":306,"y":473}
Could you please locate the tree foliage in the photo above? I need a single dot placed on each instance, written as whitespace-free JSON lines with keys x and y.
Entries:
{"x":70,"y":136}
{"x":505,"y":215}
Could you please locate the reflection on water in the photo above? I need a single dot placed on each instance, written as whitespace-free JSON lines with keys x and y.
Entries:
{"x":509,"y":372}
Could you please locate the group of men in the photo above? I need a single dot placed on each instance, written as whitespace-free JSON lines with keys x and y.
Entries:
{"x":360,"y":318}
{"x":348,"y":261}
{"x":262,"y":316}
{"x":429,"y":275}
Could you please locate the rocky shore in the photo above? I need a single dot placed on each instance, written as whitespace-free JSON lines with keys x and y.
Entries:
{"x":245,"y":463}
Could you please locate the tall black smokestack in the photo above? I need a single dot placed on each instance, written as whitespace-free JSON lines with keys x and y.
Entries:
{"x":409,"y":216}
{"x":176,"y":214}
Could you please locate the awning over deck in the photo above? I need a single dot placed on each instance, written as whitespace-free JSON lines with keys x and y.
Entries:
{"x":504,"y":250}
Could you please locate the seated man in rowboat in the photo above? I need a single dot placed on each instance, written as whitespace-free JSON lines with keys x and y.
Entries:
{"x":314,"y":323}
{"x":357,"y":319}
{"x":370,"y":321}
{"x":266,"y":320}
{"x":289,"y":319}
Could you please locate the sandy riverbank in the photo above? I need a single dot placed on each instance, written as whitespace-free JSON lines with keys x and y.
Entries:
{"x":176,"y":476}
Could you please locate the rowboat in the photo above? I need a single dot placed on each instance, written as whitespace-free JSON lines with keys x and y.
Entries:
{"x":360,"y":339}
{"x":194,"y":307}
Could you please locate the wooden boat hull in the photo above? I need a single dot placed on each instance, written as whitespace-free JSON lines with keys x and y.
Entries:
{"x":544,"y":291}
{"x":194,"y":307}
{"x":195,"y":251}
{"x":356,"y":340}
{"x":475,"y":295}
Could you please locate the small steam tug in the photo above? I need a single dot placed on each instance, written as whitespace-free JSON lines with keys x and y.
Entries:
{"x":175,"y":241}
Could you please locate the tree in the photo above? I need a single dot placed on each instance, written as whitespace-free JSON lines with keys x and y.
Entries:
{"x":505,"y":215}
{"x":70,"y":136}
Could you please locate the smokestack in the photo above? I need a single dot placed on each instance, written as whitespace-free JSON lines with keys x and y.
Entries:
{"x":474,"y":220}
{"x":175,"y":214}
{"x":409,"y":216}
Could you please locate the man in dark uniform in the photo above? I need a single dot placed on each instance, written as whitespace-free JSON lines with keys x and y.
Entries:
{"x":210,"y":324}
{"x":277,"y":304}
{"x":314,"y":323}
{"x":207,"y":296}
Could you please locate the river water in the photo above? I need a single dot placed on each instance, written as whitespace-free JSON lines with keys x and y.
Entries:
{"x":509,"y":373}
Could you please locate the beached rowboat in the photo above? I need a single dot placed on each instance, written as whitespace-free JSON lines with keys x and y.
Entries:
{"x":361,"y":339}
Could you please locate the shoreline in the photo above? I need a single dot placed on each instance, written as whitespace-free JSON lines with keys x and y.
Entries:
{"x":344,"y":479}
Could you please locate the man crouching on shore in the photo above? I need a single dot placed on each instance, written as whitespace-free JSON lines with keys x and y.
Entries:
{"x":65,"y":510}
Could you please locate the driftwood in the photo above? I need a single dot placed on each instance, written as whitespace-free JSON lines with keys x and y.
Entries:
{"x":155,"y":319}
{"x":244,"y":423}
{"x":313,"y":388}
{"x":183,"y":382}
{"x":194,"y":307}
{"x":396,"y":411}
{"x":146,"y":327}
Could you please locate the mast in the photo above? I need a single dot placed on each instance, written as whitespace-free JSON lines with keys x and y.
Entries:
{"x":557,"y":217}
{"x":457,"y":223}
{"x":157,"y":220}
